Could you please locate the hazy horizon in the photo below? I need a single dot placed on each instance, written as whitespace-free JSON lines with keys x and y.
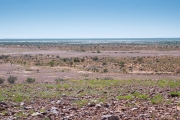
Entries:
{"x":101,"y":38}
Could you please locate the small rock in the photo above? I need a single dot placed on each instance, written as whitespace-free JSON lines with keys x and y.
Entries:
{"x":52,"y":102}
{"x":101,"y":103}
{"x":22,"y":103}
{"x":111,"y":112}
{"x":3,"y":103}
{"x":36,"y":114}
{"x":73,"y":108}
{"x":98,"y":105}
{"x":178,"y":108}
{"x":106,"y":105}
{"x":142,"y":115}
{"x":43,"y":113}
{"x":2,"y":108}
{"x":121,"y":114}
{"x":92,"y":104}
{"x":134,"y":109}
{"x":109,"y":117}
{"x":59,"y":101}
{"x":71,"y":115}
{"x":63,"y":95}
{"x":54,"y":110}
{"x":28,"y":107}
{"x":80,"y":91}
{"x":66,"y":118}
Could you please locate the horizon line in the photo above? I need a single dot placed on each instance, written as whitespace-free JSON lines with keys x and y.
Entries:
{"x":96,"y":38}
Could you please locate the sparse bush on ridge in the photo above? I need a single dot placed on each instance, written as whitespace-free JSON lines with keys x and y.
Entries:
{"x":104,"y":63}
{"x":65,"y":59}
{"x":58,"y":80}
{"x":51,"y":63}
{"x":12,"y":79}
{"x":82,"y":60}
{"x":76,"y":60}
{"x":95,"y":58}
{"x":108,"y":78}
{"x":2,"y":80}
{"x":4,"y":56}
{"x":30,"y":80}
{"x":105,"y":70}
{"x":121,"y":64}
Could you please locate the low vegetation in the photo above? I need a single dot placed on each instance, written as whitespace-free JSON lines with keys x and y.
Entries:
{"x":149,"y":64}
{"x":89,"y":93}
{"x":30,"y":80}
{"x":107,"y":88}
{"x":12,"y":79}
{"x":2,"y":80}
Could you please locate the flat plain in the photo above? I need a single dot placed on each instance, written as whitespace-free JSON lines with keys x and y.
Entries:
{"x":100,"y":81}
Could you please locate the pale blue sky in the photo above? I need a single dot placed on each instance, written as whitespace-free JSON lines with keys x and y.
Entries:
{"x":89,"y":18}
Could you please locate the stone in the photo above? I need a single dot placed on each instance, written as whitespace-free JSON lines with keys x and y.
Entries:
{"x":54,"y":110}
{"x":3,"y":103}
{"x":63,"y":95}
{"x":59,"y":101}
{"x":133,"y":109}
{"x":178,"y":108}
{"x":73,"y":108}
{"x":22,"y":104}
{"x":36,"y":114}
{"x":92,"y":104}
{"x":28,"y":107}
{"x":98,"y":105}
{"x":106,"y":105}
{"x":109,"y":117}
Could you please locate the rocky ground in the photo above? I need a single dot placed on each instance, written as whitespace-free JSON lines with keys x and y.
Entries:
{"x":90,"y":82}
{"x":92,"y":100}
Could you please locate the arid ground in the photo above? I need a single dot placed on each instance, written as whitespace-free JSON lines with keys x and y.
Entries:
{"x":92,"y":82}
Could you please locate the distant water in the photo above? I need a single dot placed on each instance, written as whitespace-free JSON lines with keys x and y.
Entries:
{"x":94,"y":41}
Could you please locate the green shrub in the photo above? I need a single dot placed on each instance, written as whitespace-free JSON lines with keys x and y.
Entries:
{"x":76,"y":60}
{"x":95,"y":58}
{"x":105,"y":70}
{"x":51,"y":63}
{"x":82,"y":59}
{"x":175,"y":94}
{"x":121,"y":64}
{"x":2,"y":80}
{"x":126,"y":97}
{"x":157,"y":99}
{"x":108,"y":78}
{"x":12,"y":79}
{"x":58,"y":80}
{"x":104,"y":63}
{"x":30,"y":80}
{"x":140,"y":60}
{"x":141,"y":96}
{"x":65,"y":59}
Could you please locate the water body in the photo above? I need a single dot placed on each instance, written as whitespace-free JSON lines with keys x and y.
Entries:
{"x":175,"y":41}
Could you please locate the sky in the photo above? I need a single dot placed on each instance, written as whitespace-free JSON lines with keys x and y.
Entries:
{"x":89,"y":18}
